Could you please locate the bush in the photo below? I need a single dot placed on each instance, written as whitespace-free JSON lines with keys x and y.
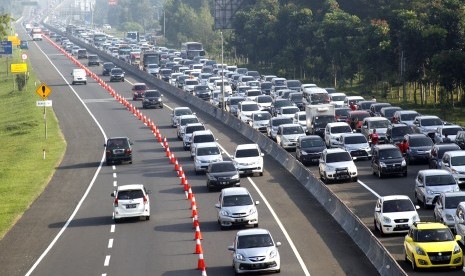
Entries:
{"x":21,"y":80}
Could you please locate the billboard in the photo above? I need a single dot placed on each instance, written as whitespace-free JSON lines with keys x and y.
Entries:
{"x":225,"y":12}
{"x":6,"y":48}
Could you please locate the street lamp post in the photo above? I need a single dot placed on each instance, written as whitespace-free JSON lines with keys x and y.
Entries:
{"x":222,"y":71}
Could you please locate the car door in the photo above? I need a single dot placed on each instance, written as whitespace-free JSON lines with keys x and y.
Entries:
{"x":375,"y":161}
{"x":420,"y":186}
{"x":438,"y":208}
{"x":278,"y":135}
{"x":459,"y":221}
{"x":328,"y":136}
{"x":378,"y":211}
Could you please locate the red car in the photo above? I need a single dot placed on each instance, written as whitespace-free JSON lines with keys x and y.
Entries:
{"x":138,"y":91}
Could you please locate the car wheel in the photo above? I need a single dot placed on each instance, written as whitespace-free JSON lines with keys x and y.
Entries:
{"x":109,"y":163}
{"x":72,"y":83}
{"x":117,"y":220}
{"x":147,"y":217}
{"x":327,"y":181}
{"x":381,"y":231}
{"x":278,"y":271}
{"x":414,"y":265}
{"x":417,"y":200}
{"x":255,"y":225}
{"x":425,"y":205}
{"x":459,"y":268}
{"x":375,"y":224}
{"x":261,"y":173}
{"x":355,"y":179}
{"x":197,"y":172}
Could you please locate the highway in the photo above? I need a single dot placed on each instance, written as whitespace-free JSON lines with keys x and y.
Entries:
{"x":78,"y":198}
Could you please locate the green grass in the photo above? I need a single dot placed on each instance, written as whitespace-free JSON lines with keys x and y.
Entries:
{"x":23,"y":172}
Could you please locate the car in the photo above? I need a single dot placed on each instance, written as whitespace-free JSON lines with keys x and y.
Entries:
{"x":277,"y":104}
{"x":309,"y":149}
{"x":107,"y":66}
{"x":454,"y":162}
{"x":333,"y":132}
{"x":202,"y":92}
{"x":446,"y":207}
{"x":138,"y":90}
{"x":81,"y":53}
{"x":93,"y":60}
{"x":116,"y":74}
{"x":248,"y":159}
{"x":419,"y":147}
{"x":388,"y":112}
{"x":200,"y":137}
{"x":356,"y":144}
{"x":232,"y":104}
{"x":152,"y":98}
{"x":342,"y":113}
{"x":252,"y":94}
{"x":245,"y":110}
{"x":222,"y":175}
{"x":250,"y":243}
{"x":395,"y":214}
{"x":184,"y":120}
{"x":74,"y":50}
{"x":353,"y":100}
{"x":165,"y":74}
{"x":190,"y":84}
{"x":337,"y":165}
{"x":153,"y":69}
{"x":264,"y":102}
{"x":449,"y":131}
{"x":388,"y":160}
{"x":337,"y":99}
{"x":236,"y":207}
{"x":365,"y":105}
{"x":275,"y":122}
{"x":395,"y":133}
{"x":118,"y":149}
{"x":432,"y":244}
{"x":430,"y":183}
{"x":405,"y":117}
{"x":459,"y":221}
{"x":375,"y":109}
{"x":355,"y":119}
{"x":426,"y":124}
{"x":260,"y":120}
{"x":298,"y":99}
{"x":288,"y":134}
{"x":437,"y":152}
{"x":131,"y":201}
{"x":188,"y":130}
{"x":23,"y":45}
{"x":205,"y":154}
{"x":381,"y":125}
{"x":301,"y":119}
{"x":460,"y":139}
{"x":79,"y":76}
{"x":287,"y":111}
{"x":179,"y":111}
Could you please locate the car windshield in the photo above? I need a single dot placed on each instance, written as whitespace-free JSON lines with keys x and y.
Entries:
{"x":179,"y":112}
{"x":401,"y":131}
{"x":152,"y":94}
{"x":378,"y":107}
{"x":323,"y":120}
{"x":302,"y":117}
{"x":204,"y":138}
{"x":390,"y":154}
{"x":388,"y":113}
{"x":222,"y":167}
{"x":380,"y":124}
{"x":280,"y":121}
{"x":338,"y":98}
{"x":338,"y":157}
{"x":202,"y":88}
{"x":191,"y":82}
{"x":457,"y":160}
{"x":341,"y":129}
{"x":152,"y":66}
{"x":293,"y":130}
{"x":420,"y":142}
{"x":433,"y":235}
{"x":264,"y":99}
{"x":408,"y":116}
{"x":366,"y":105}
{"x":186,"y":121}
{"x":261,"y":116}
{"x":451,"y":202}
{"x":398,"y":205}
{"x":431,"y":122}
{"x":253,"y":241}
{"x":278,"y":104}
{"x":191,"y":129}
{"x":235,"y":101}
{"x":290,"y":110}
{"x":237,"y":200}
{"x":117,"y":71}
{"x":442,"y":150}
{"x":130,"y":194}
{"x":247,"y":153}
{"x":310,"y":143}
{"x":359,"y":116}
{"x":266,"y":85}
{"x":342,"y":112}
{"x":451,"y":130}
{"x":252,"y":93}
{"x":358,"y":139}
{"x":250,"y":107}
{"x":280,"y":83}
{"x":296,"y":97}
{"x":118,"y":143}
{"x":208,"y":151}
{"x":439,"y":180}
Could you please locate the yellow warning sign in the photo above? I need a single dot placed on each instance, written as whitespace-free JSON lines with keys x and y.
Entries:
{"x":15,"y":41}
{"x":18,"y":67}
{"x":43,"y":90}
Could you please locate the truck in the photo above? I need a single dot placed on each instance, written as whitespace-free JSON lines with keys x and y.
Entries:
{"x":36,"y":34}
{"x":149,"y":57}
{"x":318,"y":116}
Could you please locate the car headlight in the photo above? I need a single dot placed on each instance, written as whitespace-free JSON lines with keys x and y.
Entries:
{"x":329,"y":168}
{"x":457,"y":249}
{"x":224,"y":213}
{"x":382,"y":164}
{"x":304,"y":152}
{"x":240,"y":257}
{"x":456,"y":189}
{"x":415,"y":218}
{"x":158,"y":100}
{"x":386,"y":220}
{"x":285,"y":139}
{"x":236,"y":176}
{"x":273,"y":254}
{"x":404,"y":163}
{"x":430,"y":192}
{"x":420,"y":251}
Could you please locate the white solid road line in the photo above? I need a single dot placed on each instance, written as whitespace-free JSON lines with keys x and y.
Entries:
{"x":368,"y":188}
{"x":89,"y":187}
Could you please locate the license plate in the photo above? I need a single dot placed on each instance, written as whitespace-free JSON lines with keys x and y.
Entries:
{"x":223,"y":183}
{"x":130,"y":206}
{"x":239,"y":220}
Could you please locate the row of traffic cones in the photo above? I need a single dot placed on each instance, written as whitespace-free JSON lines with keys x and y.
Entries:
{"x":177,"y":167}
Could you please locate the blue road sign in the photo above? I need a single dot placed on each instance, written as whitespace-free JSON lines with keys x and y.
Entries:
{"x":6,"y":48}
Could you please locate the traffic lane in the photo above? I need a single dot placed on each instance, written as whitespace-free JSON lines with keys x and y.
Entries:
{"x":29,"y":237}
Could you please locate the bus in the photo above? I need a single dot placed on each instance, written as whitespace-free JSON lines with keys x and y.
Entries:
{"x":190,"y":50}
{"x":99,"y":39}
{"x":132,"y":36}
{"x":149,"y":57}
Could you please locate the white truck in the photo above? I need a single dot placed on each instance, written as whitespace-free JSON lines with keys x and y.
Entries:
{"x":318,"y":116}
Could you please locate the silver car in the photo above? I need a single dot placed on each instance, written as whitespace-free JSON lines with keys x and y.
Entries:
{"x":236,"y":207}
{"x":429,"y":184}
{"x":288,"y":134}
{"x":179,"y":111}
{"x":260,"y":120}
{"x":446,"y":205}
{"x":356,"y":144}
{"x":275,"y":122}
{"x":205,"y":154}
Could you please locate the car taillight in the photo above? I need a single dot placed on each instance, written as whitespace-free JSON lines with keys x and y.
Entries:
{"x":116,"y":202}
{"x":145,"y":199}
{"x":108,"y":152}
{"x":128,"y":151}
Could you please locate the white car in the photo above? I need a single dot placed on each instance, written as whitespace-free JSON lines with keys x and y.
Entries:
{"x":301,"y":119}
{"x":446,"y":206}
{"x":189,"y":85}
{"x":333,"y":133}
{"x":189,"y":129}
{"x":199,"y":137}
{"x":211,"y":82}
{"x":264,"y":102}
{"x":288,"y":134}
{"x":205,"y":154}
{"x":337,"y":164}
{"x":356,"y":144}
{"x":248,"y":159}
{"x":337,"y":99}
{"x":288,"y":111}
{"x":236,"y":207}
{"x":131,"y":201}
{"x":260,"y":120}
{"x":245,"y":109}
{"x":153,"y":69}
{"x":183,"y":120}
{"x":254,"y":250}
{"x":275,"y":122}
{"x":395,"y":214}
{"x":454,"y":162}
{"x":179,"y":111}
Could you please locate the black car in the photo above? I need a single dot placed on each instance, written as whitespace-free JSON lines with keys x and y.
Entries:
{"x":118,"y":150}
{"x":116,"y":74}
{"x":460,"y":139}
{"x":395,"y":133}
{"x":107,"y":66}
{"x":388,"y":160}
{"x":165,"y":74}
{"x":375,"y":108}
{"x":93,"y":60}
{"x":309,"y":149}
{"x":437,"y":151}
{"x":152,"y":98}
{"x":419,"y":146}
{"x":202,"y":92}
{"x":277,"y":104}
{"x":222,"y":174}
{"x":298,"y":99}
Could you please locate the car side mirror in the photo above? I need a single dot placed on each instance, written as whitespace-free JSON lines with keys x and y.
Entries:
{"x":408,"y":239}
{"x":231,"y":248}
{"x":113,"y":194}
{"x":257,"y":202}
{"x":262,"y":154}
{"x":104,"y":145}
{"x":217,"y":205}
{"x":458,"y":237}
{"x":460,"y":220}
{"x":278,"y":244}
{"x":446,"y":164}
{"x":417,"y":207}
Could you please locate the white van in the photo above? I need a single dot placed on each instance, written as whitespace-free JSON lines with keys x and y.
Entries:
{"x":79,"y":76}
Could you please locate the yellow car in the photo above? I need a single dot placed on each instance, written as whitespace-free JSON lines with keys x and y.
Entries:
{"x":432,"y":244}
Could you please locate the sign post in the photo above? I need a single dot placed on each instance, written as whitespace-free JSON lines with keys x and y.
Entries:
{"x":43,"y":91}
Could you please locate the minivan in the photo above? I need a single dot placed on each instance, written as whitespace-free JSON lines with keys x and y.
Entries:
{"x":79,"y":76}
{"x":82,"y":53}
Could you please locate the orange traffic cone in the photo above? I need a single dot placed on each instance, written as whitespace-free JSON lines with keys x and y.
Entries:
{"x":193,"y":203}
{"x":168,"y":153}
{"x":183,"y":179}
{"x":176,"y":166}
{"x":165,"y":142}
{"x":201,"y":263}
{"x":172,"y":158}
{"x":194,"y":210}
{"x":189,"y":193}
{"x":204,"y":271}
{"x":195,"y":222}
{"x":198,"y":247}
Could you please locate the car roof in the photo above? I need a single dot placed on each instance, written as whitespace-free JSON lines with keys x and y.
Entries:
{"x":139,"y":83}
{"x":416,"y":135}
{"x":187,"y":116}
{"x":181,"y":107}
{"x":453,"y":194}
{"x":256,"y":231}
{"x":130,"y":187}
{"x":429,"y":225}
{"x":202,"y":132}
{"x":351,"y":134}
{"x":427,"y":117}
{"x":429,"y":172}
{"x":453,"y":153}
{"x":406,"y":111}
{"x":337,"y":124}
{"x":375,"y":119}
{"x":208,"y":145}
{"x":247,"y":146}
{"x":122,"y":137}
{"x":194,"y":124}
{"x":335,"y":150}
{"x":386,"y":146}
{"x":235,"y":191}
{"x":289,"y":125}
{"x":394,"y":197}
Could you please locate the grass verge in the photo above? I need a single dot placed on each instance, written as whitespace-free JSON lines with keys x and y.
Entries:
{"x":24,"y":173}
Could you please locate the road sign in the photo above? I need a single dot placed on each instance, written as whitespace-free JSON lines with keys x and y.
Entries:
{"x":23,"y":56}
{"x":14,"y":40}
{"x":6,"y":48}
{"x":43,"y":91}
{"x":46,"y":103}
{"x":18,"y":67}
